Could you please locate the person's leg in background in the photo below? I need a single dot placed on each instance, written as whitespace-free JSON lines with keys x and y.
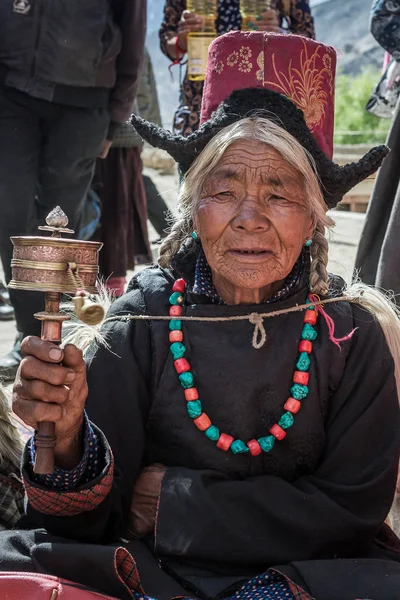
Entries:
{"x":6,"y":308}
{"x":20,"y":141}
{"x":157,"y":209}
{"x":73,"y":138}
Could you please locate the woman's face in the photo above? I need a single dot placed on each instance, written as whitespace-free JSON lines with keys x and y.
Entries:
{"x":253,"y":218}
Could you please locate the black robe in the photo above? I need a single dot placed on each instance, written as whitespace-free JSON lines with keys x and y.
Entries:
{"x":320,"y":495}
{"x":377,"y":260}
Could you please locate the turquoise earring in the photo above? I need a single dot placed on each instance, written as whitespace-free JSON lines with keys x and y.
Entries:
{"x":194,"y":235}
{"x":308,"y":243}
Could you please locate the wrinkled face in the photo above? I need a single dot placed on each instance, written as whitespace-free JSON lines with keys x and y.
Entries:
{"x":253,"y":218}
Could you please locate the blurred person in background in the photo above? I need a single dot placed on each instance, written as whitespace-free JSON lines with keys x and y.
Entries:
{"x":149,"y":109}
{"x":127,"y":196}
{"x":6,"y":309}
{"x":179,"y":22}
{"x":68,"y":76}
{"x":377,"y":261}
{"x":123,"y":228}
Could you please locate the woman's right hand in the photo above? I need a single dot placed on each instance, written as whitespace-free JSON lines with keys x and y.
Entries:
{"x":46,"y":390}
{"x":189,"y":23}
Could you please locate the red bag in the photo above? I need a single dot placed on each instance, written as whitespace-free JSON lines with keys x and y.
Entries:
{"x":35,"y":586}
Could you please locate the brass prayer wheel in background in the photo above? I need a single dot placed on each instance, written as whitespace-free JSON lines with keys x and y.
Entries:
{"x":56,"y":265}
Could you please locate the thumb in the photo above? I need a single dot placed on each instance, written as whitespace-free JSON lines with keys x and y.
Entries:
{"x":73,"y":359}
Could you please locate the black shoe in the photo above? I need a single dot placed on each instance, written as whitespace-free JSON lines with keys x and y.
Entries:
{"x":10,"y":362}
{"x":6,"y":310}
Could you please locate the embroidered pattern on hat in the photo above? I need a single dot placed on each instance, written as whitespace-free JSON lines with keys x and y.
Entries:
{"x":260,"y":63}
{"x":305,"y":85}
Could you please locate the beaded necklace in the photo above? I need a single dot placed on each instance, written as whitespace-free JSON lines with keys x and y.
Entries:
{"x":298,"y":391}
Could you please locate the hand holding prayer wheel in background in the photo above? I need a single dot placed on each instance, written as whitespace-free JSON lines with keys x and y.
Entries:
{"x":189,"y":23}
{"x":46,"y":390}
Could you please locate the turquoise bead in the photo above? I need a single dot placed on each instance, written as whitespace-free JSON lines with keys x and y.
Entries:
{"x":303,"y":364}
{"x":308,"y":301}
{"x":212,"y":433}
{"x":186,"y":380}
{"x":308,"y":333}
{"x":286,"y":420}
{"x":175,"y":298}
{"x":178,"y":350}
{"x":175,"y":324}
{"x":194,"y":409}
{"x":266,"y":443}
{"x":239,"y":447}
{"x":298,"y":391}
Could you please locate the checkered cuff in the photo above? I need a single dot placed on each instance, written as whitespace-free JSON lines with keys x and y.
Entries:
{"x":87,"y":470}
{"x":84,"y":497}
{"x":126,"y":569}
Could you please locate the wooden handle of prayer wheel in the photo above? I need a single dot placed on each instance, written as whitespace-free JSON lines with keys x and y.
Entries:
{"x":45,"y":438}
{"x":45,"y":441}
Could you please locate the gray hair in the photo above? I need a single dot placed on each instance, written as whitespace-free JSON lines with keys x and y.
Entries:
{"x":263,"y":130}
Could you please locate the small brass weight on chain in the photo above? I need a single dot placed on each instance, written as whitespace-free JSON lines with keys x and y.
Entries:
{"x":56,"y":265}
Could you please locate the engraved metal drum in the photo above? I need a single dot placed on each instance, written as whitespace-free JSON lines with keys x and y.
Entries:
{"x":44,"y":264}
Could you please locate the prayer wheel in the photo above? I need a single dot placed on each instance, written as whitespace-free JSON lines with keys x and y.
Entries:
{"x":56,"y":265}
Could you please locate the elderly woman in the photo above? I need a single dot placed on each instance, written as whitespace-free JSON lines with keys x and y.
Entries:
{"x":244,"y":421}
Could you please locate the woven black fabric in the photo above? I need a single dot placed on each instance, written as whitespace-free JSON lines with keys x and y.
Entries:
{"x":336,"y":181}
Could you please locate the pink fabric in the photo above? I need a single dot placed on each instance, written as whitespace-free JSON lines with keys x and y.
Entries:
{"x":297,"y":67}
{"x":386,"y":61}
{"x":36,"y":586}
{"x":116,"y":285}
{"x":331,"y":324}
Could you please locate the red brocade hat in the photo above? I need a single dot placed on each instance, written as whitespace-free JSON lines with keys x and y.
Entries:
{"x":290,"y":79}
{"x":297,"y":67}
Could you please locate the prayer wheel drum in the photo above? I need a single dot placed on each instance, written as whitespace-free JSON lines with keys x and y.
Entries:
{"x":55,"y":265}
{"x":49,"y":264}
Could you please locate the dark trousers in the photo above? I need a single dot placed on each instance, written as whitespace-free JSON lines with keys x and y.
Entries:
{"x":47,"y":158}
{"x":156,"y":207}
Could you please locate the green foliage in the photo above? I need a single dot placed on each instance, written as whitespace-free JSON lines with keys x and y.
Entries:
{"x":352,"y":94}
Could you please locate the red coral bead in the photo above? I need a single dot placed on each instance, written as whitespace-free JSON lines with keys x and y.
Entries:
{"x":203,"y":422}
{"x":310,"y":317}
{"x":175,"y":311}
{"x":292,"y":405}
{"x":254,"y":447}
{"x":225,"y":442}
{"x":175,"y":336}
{"x":305,"y":346}
{"x":191,"y":394}
{"x":179,"y":286}
{"x":277,"y":432}
{"x":181,"y":365}
{"x":301,"y":377}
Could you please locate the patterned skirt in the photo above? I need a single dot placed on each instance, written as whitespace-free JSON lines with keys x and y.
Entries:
{"x":268,"y":586}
